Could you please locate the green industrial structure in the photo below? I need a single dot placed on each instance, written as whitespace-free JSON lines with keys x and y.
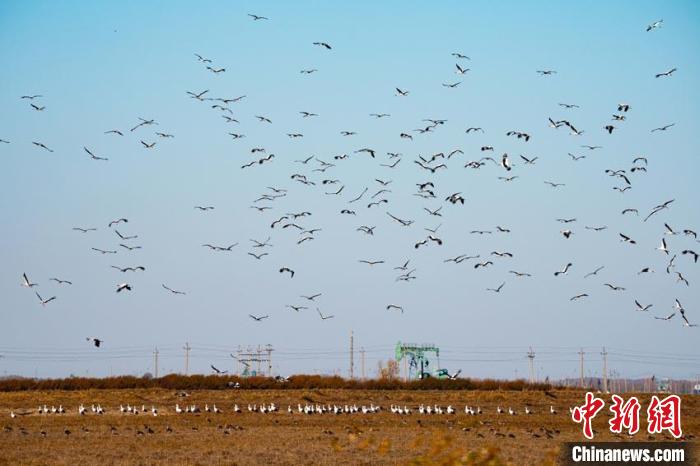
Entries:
{"x":420,"y":360}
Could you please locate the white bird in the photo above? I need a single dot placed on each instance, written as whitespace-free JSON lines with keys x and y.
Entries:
{"x":642,"y":308}
{"x":123,"y":286}
{"x":26,"y":283}
{"x":43,"y":301}
{"x":663,"y":246}
{"x":563,"y":271}
{"x":505,"y":163}
{"x":655,"y":25}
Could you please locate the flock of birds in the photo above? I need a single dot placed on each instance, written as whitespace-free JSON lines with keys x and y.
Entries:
{"x":325,"y":176}
{"x":266,"y":408}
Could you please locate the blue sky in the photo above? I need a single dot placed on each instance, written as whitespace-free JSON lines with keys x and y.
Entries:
{"x":102,"y":66}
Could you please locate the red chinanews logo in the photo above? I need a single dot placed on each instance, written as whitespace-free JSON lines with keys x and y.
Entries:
{"x":661,"y":415}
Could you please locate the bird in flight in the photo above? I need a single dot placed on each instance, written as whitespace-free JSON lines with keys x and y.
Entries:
{"x":663,"y":128}
{"x":655,"y":25}
{"x":312,"y":297}
{"x":129,"y":269}
{"x":41,"y":144}
{"x":401,"y":93}
{"x":258,"y":319}
{"x":370,"y":262}
{"x":691,"y":253}
{"x":595,"y":272}
{"x":324,"y":317}
{"x":95,"y":341}
{"x":563,"y":271}
{"x":93,"y":156}
{"x":498,"y":289}
{"x":666,"y":73}
{"x":296,"y":308}
{"x":197,"y":95}
{"x":288,"y":270}
{"x":117,"y":222}
{"x":642,"y":308}
{"x":217,"y":370}
{"x":26,"y":283}
{"x":61,"y":282}
{"x":143,"y":122}
{"x":614,"y":287}
{"x":43,"y":301}
{"x":220,"y":248}
{"x":257,"y":17}
{"x":394,"y":306}
{"x":324,"y":45}
{"x":125,"y":238}
{"x":104,"y":251}
{"x":172,"y":290}
{"x":123,"y":286}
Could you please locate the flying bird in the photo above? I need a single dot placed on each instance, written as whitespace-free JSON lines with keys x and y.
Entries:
{"x":26,"y":283}
{"x":61,"y":282}
{"x":173,"y":291}
{"x":663,"y":128}
{"x":563,"y":271}
{"x":666,"y":73}
{"x":95,"y":341}
{"x":93,"y":156}
{"x":642,"y":308}
{"x":655,"y":25}
{"x":43,"y":301}
{"x":123,"y":286}
{"x":40,"y":144}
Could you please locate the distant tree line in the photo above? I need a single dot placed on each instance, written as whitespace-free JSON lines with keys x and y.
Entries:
{"x":229,"y":382}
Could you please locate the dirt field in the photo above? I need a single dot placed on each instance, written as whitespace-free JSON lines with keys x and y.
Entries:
{"x":283,"y":438}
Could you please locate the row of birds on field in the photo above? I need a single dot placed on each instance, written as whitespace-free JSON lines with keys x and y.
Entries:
{"x":314,"y":172}
{"x":272,"y":408}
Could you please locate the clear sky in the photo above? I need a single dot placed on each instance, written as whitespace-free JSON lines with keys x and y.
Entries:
{"x":101,"y":65}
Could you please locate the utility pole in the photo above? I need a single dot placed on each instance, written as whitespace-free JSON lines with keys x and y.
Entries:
{"x":352,"y":356}
{"x":605,"y":370}
{"x":269,"y":350}
{"x":362,"y":361}
{"x":581,"y":353}
{"x":155,"y":361}
{"x":187,"y":349}
{"x":531,"y":360}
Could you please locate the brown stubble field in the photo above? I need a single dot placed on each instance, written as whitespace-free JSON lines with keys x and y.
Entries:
{"x":283,"y":438}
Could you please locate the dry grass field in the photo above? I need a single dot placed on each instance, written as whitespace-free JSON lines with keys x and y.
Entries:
{"x":283,"y":438}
